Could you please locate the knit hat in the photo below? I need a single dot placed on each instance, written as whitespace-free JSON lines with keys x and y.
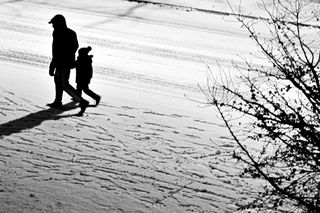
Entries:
{"x":84,"y":50}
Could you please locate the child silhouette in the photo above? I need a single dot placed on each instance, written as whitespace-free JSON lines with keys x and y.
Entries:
{"x":84,"y":73}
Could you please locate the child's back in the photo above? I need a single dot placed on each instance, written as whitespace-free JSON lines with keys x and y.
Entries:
{"x":84,"y":66}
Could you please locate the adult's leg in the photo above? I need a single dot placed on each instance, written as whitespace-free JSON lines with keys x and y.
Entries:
{"x":72,"y":91}
{"x":59,"y":92}
{"x":65,"y":74}
{"x":79,"y":89}
{"x":57,"y":103}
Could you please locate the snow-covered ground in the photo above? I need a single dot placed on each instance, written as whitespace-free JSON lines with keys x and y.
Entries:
{"x":149,"y":146}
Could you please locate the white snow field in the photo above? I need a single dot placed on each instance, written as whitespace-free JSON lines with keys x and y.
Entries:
{"x":149,"y":146}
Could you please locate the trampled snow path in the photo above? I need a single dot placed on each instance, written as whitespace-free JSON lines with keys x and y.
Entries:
{"x":147,"y":147}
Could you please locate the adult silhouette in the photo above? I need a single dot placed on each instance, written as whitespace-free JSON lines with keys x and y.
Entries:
{"x":64,"y":47}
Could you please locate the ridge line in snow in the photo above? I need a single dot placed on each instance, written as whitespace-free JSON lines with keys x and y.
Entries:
{"x":216,"y":12}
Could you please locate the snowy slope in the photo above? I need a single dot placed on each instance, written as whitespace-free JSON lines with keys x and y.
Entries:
{"x":148,"y":147}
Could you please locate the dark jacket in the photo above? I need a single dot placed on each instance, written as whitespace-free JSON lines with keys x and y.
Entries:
{"x":64,"y":47}
{"x":84,"y":69}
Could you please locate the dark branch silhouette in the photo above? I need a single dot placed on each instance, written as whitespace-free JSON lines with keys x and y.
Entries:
{"x":277,"y":110}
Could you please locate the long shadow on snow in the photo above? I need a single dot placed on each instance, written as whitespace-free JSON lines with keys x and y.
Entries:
{"x":35,"y":119}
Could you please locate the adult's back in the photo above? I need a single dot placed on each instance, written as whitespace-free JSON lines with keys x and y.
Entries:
{"x":64,"y":45}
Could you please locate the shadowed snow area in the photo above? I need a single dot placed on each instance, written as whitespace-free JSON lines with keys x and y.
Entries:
{"x":149,"y":146}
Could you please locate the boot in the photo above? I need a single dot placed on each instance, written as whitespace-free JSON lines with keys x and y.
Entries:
{"x":98,"y":99}
{"x":55,"y":105}
{"x":83,"y":106}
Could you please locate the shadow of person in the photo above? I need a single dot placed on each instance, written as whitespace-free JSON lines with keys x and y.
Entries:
{"x":35,"y":119}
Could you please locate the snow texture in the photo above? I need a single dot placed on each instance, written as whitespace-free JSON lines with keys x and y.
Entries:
{"x":149,"y":146}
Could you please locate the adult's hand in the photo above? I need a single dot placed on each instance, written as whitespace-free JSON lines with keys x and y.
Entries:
{"x":51,"y":69}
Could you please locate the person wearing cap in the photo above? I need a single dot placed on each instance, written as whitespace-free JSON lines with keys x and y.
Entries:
{"x":64,"y":47}
{"x":84,"y":73}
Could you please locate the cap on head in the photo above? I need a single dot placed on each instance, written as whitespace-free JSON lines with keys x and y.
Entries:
{"x":58,"y":19}
{"x":84,"y":50}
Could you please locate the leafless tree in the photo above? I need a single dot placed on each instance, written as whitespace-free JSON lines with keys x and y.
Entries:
{"x":276,"y":108}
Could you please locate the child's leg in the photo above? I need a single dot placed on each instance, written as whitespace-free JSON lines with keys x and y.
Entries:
{"x":89,"y":92}
{"x":79,"y":89}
